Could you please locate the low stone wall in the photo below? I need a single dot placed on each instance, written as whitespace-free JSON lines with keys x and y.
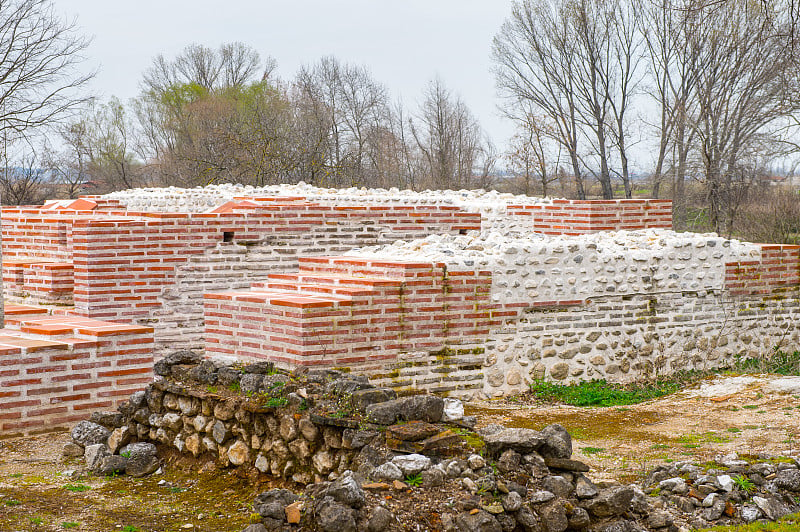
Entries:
{"x":626,"y":339}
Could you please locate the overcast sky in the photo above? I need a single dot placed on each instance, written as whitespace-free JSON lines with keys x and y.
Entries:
{"x":404,"y":43}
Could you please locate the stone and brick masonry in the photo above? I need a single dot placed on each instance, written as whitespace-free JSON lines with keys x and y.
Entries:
{"x":467,"y":293}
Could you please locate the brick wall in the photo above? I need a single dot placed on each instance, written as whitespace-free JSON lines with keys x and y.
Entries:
{"x":128,"y":266}
{"x":575,"y":217}
{"x":348,"y":311}
{"x":778,"y":267}
{"x":58,"y":370}
{"x":425,"y":325}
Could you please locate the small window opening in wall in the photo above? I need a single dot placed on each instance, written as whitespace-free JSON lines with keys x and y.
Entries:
{"x":462,"y":231}
{"x":227,"y":236}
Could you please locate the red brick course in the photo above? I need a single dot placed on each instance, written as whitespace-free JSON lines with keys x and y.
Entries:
{"x":54,"y":370}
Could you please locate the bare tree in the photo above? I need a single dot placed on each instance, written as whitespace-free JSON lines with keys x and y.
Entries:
{"x":449,"y":138}
{"x":353,"y":108}
{"x":536,"y":60}
{"x":745,"y":82}
{"x":40,"y":59}
{"x":578,"y":62}
{"x":69,"y":165}
{"x":231,"y":65}
{"x":531,"y":157}
{"x":673,"y":54}
{"x":23,"y":182}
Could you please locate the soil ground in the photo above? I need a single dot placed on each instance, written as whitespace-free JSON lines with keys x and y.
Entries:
{"x":743,"y":415}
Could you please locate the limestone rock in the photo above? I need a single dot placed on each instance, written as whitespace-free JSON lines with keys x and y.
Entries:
{"x":323,"y":462}
{"x":335,"y":517}
{"x":412,"y":464}
{"x":118,"y":438}
{"x":356,"y":439}
{"x":433,"y":477}
{"x":381,"y":520}
{"x":72,"y":450}
{"x":480,"y":521}
{"x":557,"y":444}
{"x":111,"y":465}
{"x":272,"y":503}
{"x":788,"y":479}
{"x":414,"y":408}
{"x":387,"y":471}
{"x":772,"y":507}
{"x":110,"y":420}
{"x":87,"y":433}
{"x":239,"y":453}
{"x":522,"y":441}
{"x":347,"y":490}
{"x":142,"y":459}
{"x":163,"y":366}
{"x":94,"y":454}
{"x":610,"y":502}
{"x":453,"y":410}
{"x":361,"y":399}
{"x":566,"y":464}
{"x":554,"y":517}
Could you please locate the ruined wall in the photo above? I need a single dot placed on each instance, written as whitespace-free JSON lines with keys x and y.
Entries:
{"x":489,"y":314}
{"x":56,"y":370}
{"x":421,"y":297}
{"x":152,"y":268}
{"x":576,"y":217}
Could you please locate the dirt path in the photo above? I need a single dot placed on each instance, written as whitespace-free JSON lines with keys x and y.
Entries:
{"x":747,"y":415}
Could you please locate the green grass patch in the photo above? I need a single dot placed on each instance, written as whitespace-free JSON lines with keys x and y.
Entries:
{"x":593,"y":450}
{"x":779,"y":362}
{"x":602,"y":393}
{"x":693,"y":441}
{"x":77,"y":488}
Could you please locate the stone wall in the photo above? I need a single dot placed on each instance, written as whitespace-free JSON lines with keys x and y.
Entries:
{"x":628,"y":338}
{"x":619,"y":306}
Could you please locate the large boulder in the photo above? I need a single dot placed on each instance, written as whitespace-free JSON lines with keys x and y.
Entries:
{"x":557,"y":442}
{"x":523,"y":441}
{"x":347,"y":490}
{"x":610,"y":502}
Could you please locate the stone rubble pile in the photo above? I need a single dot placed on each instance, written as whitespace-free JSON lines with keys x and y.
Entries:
{"x":357,"y":452}
{"x":107,"y":448}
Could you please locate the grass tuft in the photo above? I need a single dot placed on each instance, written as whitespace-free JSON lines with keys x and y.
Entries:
{"x":602,"y":393}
